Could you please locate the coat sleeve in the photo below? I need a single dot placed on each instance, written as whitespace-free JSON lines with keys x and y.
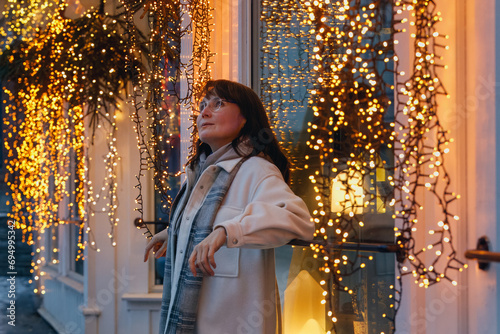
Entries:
{"x":273,"y":217}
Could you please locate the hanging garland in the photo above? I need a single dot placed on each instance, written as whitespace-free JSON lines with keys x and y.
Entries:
{"x":88,"y":52}
{"x":350,"y":137}
{"x":423,"y":143}
{"x":362,"y":160}
{"x":68,"y":72}
{"x":285,"y":71}
{"x":169,"y":21}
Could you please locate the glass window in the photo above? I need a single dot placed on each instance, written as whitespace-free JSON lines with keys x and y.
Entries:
{"x":73,"y":218}
{"x":286,"y":77}
{"x":2,"y":129}
{"x":52,"y":246}
{"x":169,"y":153}
{"x":76,"y":261}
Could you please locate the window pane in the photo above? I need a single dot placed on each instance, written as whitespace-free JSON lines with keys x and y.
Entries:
{"x":2,"y":129}
{"x":75,"y":260}
{"x":73,"y":215}
{"x":52,"y":245}
{"x":169,"y":152}
{"x":366,"y":307}
{"x":288,"y":72}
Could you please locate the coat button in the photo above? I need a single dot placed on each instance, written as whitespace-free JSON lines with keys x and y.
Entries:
{"x":235,"y":241}
{"x":187,"y":218}
{"x":201,"y":187}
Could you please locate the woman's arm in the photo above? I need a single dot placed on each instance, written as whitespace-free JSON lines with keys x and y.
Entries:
{"x":274,"y":216}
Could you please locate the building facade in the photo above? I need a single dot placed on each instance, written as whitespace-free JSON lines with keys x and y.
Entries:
{"x":114,"y":291}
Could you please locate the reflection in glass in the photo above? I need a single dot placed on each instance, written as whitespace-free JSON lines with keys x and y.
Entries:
{"x":169,"y":151}
{"x":51,"y":237}
{"x":77,"y":261}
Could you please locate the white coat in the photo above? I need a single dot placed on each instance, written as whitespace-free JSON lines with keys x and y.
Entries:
{"x":259,"y":213}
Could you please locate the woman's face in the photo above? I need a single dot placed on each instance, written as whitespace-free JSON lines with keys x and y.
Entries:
{"x":219,"y":121}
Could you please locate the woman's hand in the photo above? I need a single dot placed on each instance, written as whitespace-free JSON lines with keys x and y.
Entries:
{"x":158,"y":243}
{"x":203,"y":254}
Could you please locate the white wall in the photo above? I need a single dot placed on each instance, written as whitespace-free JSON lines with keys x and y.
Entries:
{"x":483,"y":131}
{"x":470,"y":115}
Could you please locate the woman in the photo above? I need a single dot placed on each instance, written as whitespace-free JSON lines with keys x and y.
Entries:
{"x":233,"y":209}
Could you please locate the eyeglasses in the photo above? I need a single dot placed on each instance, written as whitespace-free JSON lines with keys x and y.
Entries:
{"x":215,"y":104}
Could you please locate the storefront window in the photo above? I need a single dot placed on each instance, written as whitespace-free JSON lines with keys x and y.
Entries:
{"x":286,"y":78}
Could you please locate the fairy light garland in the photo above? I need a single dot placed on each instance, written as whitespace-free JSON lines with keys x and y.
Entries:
{"x":422,"y":144}
{"x":348,"y":133}
{"x":285,"y":68}
{"x":355,"y":146}
{"x":19,"y":17}
{"x":104,"y":200}
{"x":48,"y":137}
{"x":348,"y":99}
{"x":168,"y":22}
{"x":55,"y":82}
{"x":146,"y":97}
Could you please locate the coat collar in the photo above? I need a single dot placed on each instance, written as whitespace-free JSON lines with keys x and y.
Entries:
{"x":228,"y":165}
{"x":226,"y":157}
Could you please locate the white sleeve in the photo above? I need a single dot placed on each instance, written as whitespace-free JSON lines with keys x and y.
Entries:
{"x":274,"y":216}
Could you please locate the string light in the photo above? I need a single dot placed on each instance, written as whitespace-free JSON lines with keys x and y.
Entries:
{"x":55,"y":83}
{"x":344,"y":59}
{"x":156,"y":97}
{"x":345,"y":56}
{"x":422,"y":146}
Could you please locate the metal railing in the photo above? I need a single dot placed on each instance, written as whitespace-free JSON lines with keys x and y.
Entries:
{"x":375,"y":247}
{"x":482,"y":252}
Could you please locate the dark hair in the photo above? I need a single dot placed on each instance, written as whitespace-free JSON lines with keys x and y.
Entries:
{"x":257,"y":128}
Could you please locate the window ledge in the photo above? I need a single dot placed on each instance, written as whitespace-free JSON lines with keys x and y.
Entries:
{"x":70,"y":281}
{"x":142,"y":301}
{"x":77,"y":277}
